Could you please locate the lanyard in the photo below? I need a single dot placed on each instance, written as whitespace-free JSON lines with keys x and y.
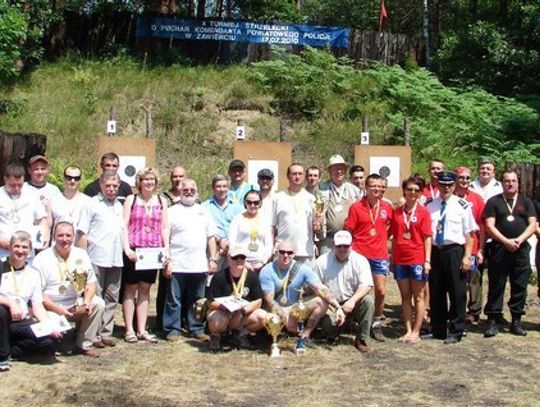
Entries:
{"x":15,"y":283}
{"x":377,"y":206}
{"x":510,"y":208}
{"x":408,"y":221}
{"x":62,"y":267}
{"x":238,"y":289}
{"x":254,"y":227}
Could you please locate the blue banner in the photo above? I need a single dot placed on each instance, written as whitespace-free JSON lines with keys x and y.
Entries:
{"x":242,"y":31}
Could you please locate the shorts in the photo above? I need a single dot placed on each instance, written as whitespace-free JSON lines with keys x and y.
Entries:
{"x":132,"y":276}
{"x":409,"y":271}
{"x":379,"y":267}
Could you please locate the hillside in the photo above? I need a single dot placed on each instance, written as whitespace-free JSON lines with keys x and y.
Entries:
{"x":195,"y":110}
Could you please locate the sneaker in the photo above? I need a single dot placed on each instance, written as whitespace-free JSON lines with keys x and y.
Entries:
{"x":377,"y":334}
{"x":517,"y":329}
{"x":5,"y":365}
{"x":361,"y":346}
{"x":492,"y":330}
{"x":215,"y":343}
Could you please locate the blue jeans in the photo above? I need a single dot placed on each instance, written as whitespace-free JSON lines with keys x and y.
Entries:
{"x":190,"y":285}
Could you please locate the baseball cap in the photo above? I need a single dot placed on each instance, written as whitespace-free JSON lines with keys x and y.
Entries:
{"x":342,"y":238}
{"x":238,"y":251}
{"x":265,"y":173}
{"x":236,"y":164}
{"x":36,"y":158}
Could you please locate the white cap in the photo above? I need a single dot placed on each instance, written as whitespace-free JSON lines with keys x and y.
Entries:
{"x":336,"y":159}
{"x":342,"y":238}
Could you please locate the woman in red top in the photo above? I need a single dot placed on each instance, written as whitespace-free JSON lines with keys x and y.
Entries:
{"x":411,"y":228}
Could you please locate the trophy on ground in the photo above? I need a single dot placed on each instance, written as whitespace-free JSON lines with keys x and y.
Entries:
{"x":299,"y":312}
{"x":78,"y":278}
{"x":274,"y":324}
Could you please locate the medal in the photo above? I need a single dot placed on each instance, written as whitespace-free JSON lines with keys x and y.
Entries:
{"x":283,"y":300}
{"x":147,"y":228}
{"x":62,"y":289}
{"x":406,"y":235}
{"x":510,"y":218}
{"x":253,"y":246}
{"x":373,"y":232}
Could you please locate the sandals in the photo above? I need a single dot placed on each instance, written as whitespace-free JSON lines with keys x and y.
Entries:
{"x":148,"y":337}
{"x":130,"y":337}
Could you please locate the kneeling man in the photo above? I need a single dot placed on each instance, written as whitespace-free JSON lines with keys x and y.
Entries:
{"x":347,"y":275}
{"x":59,"y":296}
{"x":244,"y":286}
{"x":281,"y":282}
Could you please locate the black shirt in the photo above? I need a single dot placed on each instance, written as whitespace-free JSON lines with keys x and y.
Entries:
{"x":124,"y":190}
{"x":221,"y":286}
{"x":496,"y":208}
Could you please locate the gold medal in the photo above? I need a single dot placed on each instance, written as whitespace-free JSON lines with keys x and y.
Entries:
{"x":253,"y":246}
{"x":406,"y":235}
{"x":62,"y":289}
{"x":283,"y":300}
{"x":373,"y":232}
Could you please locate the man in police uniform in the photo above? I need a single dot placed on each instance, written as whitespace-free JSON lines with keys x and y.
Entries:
{"x":453,"y":225}
{"x":510,"y":221}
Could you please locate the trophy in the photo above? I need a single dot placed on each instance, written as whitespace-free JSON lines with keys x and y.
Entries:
{"x":274,"y":324}
{"x":78,"y":279}
{"x":299,"y":312}
{"x":319,"y":209}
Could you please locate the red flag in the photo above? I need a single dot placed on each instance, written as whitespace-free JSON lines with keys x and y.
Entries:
{"x":383,"y":16}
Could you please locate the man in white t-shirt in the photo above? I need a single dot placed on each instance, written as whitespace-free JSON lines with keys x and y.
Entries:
{"x":38,"y":169}
{"x":292,"y":218}
{"x":20,"y":210}
{"x":485,"y":184}
{"x":347,"y":275}
{"x":192,"y":233}
{"x":58,"y":266}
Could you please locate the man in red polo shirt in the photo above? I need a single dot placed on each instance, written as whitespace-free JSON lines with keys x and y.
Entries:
{"x":368,"y":222}
{"x":479,"y":237}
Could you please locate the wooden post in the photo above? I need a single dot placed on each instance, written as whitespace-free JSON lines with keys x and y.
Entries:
{"x":282,"y":130}
{"x":406,"y":130}
{"x":365,"y":123}
{"x":147,"y":107}
{"x":112,"y":115}
{"x":18,"y":148}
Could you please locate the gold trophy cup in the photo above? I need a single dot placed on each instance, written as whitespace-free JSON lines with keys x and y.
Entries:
{"x":319,"y":209}
{"x":78,"y":279}
{"x":274,"y":324}
{"x":299,"y":312}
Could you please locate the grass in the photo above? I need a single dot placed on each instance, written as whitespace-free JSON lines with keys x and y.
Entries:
{"x":478,"y":371}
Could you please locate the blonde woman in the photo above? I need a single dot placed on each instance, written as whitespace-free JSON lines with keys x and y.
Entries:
{"x":145,"y":215}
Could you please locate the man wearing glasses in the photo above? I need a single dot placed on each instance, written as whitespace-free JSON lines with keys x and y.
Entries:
{"x":236,"y":281}
{"x":510,"y":221}
{"x":69,"y":204}
{"x":348,"y":277}
{"x":281,"y":281}
{"x":475,"y":276}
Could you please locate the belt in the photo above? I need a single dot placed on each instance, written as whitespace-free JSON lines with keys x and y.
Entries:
{"x":446,"y":246}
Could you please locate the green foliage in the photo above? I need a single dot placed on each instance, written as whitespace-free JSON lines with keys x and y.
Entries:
{"x":13,"y":32}
{"x":269,"y":10}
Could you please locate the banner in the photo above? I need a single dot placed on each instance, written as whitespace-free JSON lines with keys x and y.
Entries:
{"x":242,"y":31}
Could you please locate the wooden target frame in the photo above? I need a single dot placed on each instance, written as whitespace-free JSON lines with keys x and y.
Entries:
{"x":267,"y":151}
{"x":396,"y":159}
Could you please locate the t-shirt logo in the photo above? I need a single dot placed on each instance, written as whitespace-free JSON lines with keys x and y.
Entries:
{"x":245,"y":292}
{"x":384,"y":214}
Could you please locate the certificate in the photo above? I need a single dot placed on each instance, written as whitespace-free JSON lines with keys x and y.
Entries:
{"x":232,"y":303}
{"x":55,"y":323}
{"x":149,"y":258}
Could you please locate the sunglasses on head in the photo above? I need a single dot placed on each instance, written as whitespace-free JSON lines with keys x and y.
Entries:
{"x":72,"y":177}
{"x":286,"y":252}
{"x":239,"y":257}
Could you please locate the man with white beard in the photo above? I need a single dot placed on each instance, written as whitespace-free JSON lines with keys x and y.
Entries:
{"x":192,"y":233}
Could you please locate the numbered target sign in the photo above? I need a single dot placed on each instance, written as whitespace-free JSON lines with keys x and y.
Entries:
{"x":240,"y":132}
{"x":111,"y":126}
{"x":364,"y":137}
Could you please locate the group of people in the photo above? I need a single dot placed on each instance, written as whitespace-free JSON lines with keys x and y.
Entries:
{"x":337,"y":240}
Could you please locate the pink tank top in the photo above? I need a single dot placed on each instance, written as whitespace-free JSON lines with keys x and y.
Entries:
{"x":145,"y":225}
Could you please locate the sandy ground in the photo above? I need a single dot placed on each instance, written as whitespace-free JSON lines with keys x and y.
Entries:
{"x":499,"y":371}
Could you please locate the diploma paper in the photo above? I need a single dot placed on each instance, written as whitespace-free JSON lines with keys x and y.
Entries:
{"x":149,"y":258}
{"x":56,"y":323}
{"x":232,"y":303}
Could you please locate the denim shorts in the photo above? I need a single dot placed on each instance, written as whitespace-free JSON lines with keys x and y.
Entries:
{"x":409,"y":271}
{"x":379,"y":267}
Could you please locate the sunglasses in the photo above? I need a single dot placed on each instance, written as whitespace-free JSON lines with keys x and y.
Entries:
{"x":256,"y":203}
{"x":286,"y":252}
{"x":72,"y":178}
{"x":239,"y":257}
